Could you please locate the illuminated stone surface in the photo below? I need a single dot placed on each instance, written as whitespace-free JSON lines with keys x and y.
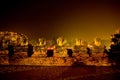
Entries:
{"x":40,"y":59}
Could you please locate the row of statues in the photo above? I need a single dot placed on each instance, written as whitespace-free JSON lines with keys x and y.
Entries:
{"x":78,"y":45}
{"x":20,"y":39}
{"x":17,"y":39}
{"x":60,"y":41}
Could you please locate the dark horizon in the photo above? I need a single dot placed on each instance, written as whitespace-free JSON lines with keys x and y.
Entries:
{"x":70,"y":19}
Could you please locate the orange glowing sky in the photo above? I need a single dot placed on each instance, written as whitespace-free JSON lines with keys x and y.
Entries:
{"x":70,"y":19}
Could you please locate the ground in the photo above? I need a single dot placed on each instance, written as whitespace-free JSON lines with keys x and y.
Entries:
{"x":19,"y":72}
{"x":39,"y":67}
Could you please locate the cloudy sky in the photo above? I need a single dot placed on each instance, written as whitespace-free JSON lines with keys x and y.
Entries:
{"x":67,"y":18}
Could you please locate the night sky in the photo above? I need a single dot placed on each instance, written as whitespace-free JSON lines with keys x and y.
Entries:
{"x":67,"y":18}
